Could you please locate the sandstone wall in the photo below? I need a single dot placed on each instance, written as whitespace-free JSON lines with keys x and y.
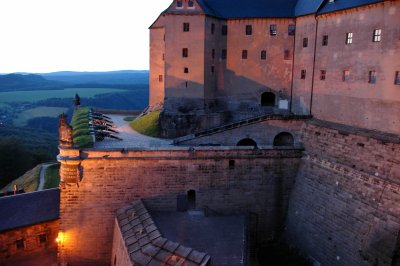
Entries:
{"x":31,"y":240}
{"x":344,"y":209}
{"x":120,"y":255}
{"x":227,"y":180}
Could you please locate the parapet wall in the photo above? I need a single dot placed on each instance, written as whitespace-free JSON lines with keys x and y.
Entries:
{"x":226,"y":179}
{"x":344,"y":209}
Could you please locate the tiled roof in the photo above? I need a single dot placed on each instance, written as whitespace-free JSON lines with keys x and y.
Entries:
{"x":29,"y":208}
{"x":338,"y":5}
{"x":275,"y":8}
{"x":145,"y":244}
{"x":249,"y":9}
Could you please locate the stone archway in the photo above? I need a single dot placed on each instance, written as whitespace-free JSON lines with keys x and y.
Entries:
{"x":247,"y":142}
{"x":268,"y":99}
{"x":284,"y":139}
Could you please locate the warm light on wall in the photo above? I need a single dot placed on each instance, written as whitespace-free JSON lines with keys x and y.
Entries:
{"x":60,"y":237}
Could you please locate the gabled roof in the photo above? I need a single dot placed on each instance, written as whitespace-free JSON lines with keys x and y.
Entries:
{"x":29,"y":209}
{"x":236,"y":9}
{"x":146,"y":246}
{"x":338,"y":5}
{"x":249,"y":8}
{"x":307,"y":7}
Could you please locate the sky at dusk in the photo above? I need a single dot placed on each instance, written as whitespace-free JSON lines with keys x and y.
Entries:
{"x":79,"y":35}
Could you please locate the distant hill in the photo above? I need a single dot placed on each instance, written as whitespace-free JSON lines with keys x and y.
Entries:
{"x":123,"y":77}
{"x":12,"y":82}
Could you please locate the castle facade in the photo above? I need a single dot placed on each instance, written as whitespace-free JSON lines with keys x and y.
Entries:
{"x":334,"y":60}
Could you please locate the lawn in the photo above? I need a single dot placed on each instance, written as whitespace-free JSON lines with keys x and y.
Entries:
{"x":29,"y":181}
{"x":147,"y":124}
{"x":52,"y":176}
{"x":23,"y":117}
{"x":34,"y":96}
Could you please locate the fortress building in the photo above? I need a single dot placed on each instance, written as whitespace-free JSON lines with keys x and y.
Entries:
{"x":214,"y":61}
{"x":285,"y":119}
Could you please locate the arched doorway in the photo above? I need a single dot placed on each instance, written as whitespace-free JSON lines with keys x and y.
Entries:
{"x":268,"y":99}
{"x":284,"y":139}
{"x":191,"y":199}
{"x":246,"y":142}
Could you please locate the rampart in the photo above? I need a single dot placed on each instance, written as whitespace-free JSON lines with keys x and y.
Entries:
{"x":225,"y":179}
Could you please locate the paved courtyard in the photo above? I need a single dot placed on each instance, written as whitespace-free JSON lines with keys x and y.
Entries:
{"x":130,"y":138}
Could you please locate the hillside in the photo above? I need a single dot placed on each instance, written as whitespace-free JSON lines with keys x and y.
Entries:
{"x":12,"y":82}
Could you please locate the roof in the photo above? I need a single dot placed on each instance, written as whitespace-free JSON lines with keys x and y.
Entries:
{"x":29,"y":209}
{"x":145,"y":244}
{"x":338,"y":5}
{"x":307,"y":7}
{"x":236,"y":9}
{"x":249,"y":9}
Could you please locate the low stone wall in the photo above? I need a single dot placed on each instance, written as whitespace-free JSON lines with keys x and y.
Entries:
{"x":344,"y":209}
{"x":227,"y":180}
{"x":34,"y":238}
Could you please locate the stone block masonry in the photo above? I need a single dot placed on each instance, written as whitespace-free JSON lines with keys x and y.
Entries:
{"x":227,"y":180}
{"x":344,"y":208}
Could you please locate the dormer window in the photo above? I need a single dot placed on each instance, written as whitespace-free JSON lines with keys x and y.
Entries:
{"x":179,"y":4}
{"x":191,"y":4}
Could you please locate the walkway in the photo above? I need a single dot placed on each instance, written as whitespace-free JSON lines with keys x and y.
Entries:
{"x":130,"y":138}
{"x":42,"y":174}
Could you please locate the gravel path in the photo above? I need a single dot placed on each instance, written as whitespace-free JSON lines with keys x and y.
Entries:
{"x":42,"y":176}
{"x":131,"y":138}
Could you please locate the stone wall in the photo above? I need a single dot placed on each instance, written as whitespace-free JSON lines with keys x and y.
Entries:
{"x":227,"y":180}
{"x":35,"y":238}
{"x":344,"y":209}
{"x":119,"y":251}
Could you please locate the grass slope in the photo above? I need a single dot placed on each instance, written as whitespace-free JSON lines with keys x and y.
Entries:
{"x":147,"y":124}
{"x":29,"y":181}
{"x":52,"y":176}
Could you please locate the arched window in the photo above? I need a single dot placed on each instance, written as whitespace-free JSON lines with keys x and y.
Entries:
{"x":247,"y":142}
{"x":191,"y":198}
{"x":284,"y":139}
{"x":267,"y":99}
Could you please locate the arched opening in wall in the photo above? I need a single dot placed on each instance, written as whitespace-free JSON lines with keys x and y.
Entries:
{"x":247,"y":142}
{"x":191,"y":198}
{"x":284,"y":139}
{"x":268,"y":99}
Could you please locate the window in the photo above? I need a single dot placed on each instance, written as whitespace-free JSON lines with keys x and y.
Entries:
{"x":305,"y":42}
{"x":325,"y":40}
{"x":268,"y":99}
{"x":163,"y":57}
{"x":186,"y":27}
{"x":42,"y":238}
{"x":190,"y":3}
{"x":263,"y":55}
{"x":377,"y":35}
{"x":372,"y":77}
{"x":20,"y":244}
{"x":303,"y":74}
{"x":346,"y":75}
{"x":223,"y":54}
{"x":249,"y":30}
{"x":224,"y":30}
{"x":191,"y":198}
{"x":160,"y":78}
{"x":273,"y":29}
{"x":185,"y":70}
{"x":349,"y":38}
{"x":231,"y":164}
{"x":397,"y":78}
{"x":322,"y":75}
{"x":291,"y":29}
{"x":213,"y":53}
{"x":185,"y":52}
{"x":244,"y":54}
{"x":286,"y":54}
{"x":179,"y":4}
{"x":212,"y":28}
{"x":212,"y":69}
{"x":284,"y":139}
